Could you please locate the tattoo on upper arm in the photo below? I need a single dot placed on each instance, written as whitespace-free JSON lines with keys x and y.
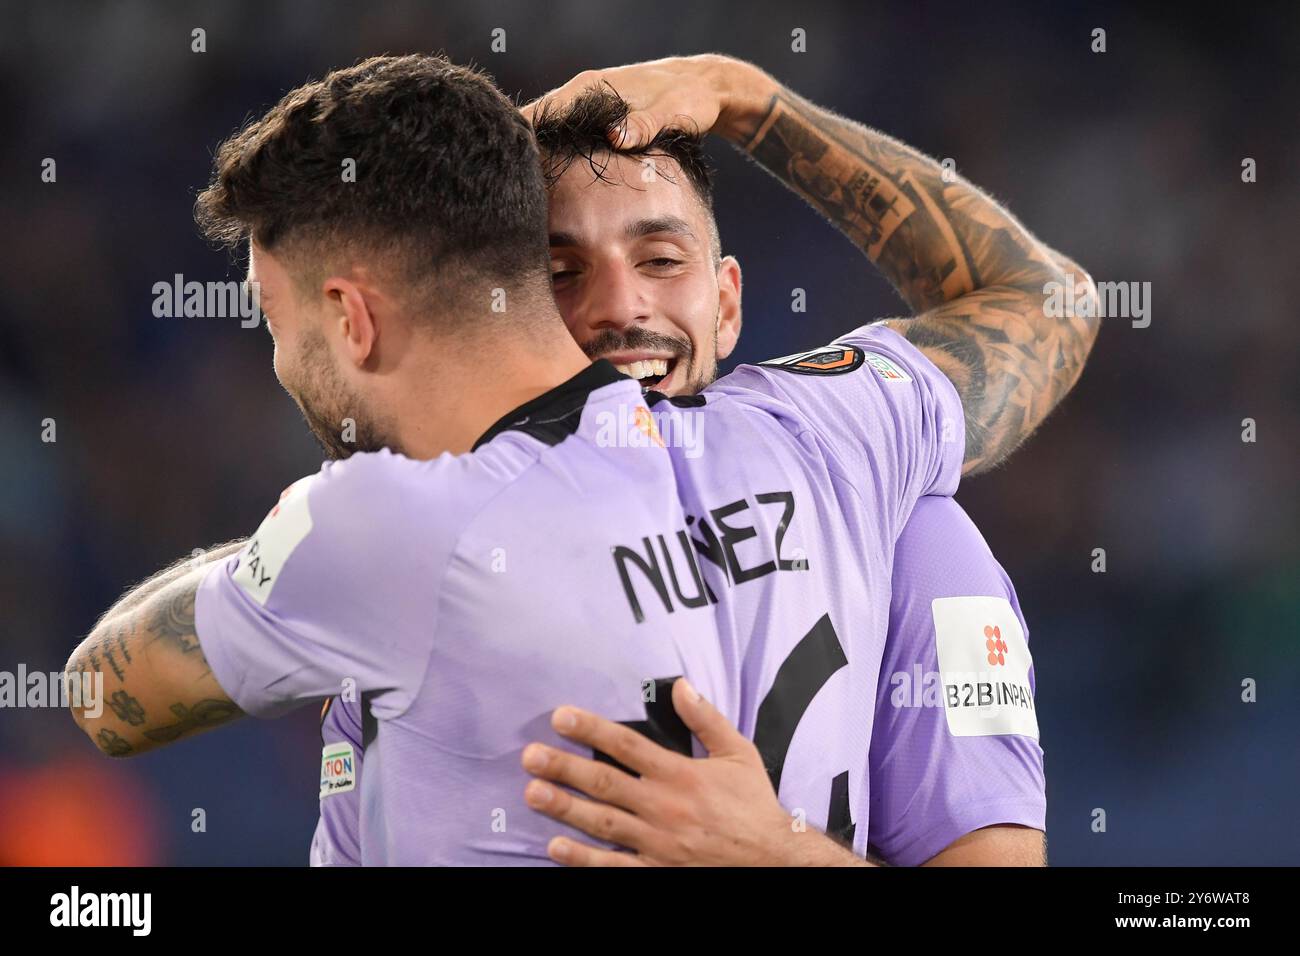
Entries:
{"x":172,"y":624}
{"x":172,"y":621}
{"x":146,"y":589}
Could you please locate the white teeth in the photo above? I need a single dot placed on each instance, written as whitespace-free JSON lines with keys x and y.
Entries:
{"x":644,"y":368}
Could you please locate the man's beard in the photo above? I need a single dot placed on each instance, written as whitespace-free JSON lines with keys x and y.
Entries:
{"x":636,"y":339}
{"x":325,"y":401}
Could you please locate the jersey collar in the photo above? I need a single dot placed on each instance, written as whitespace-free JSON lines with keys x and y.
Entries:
{"x":554,"y":415}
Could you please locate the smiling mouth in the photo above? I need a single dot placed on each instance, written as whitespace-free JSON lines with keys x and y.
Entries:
{"x":648,"y":372}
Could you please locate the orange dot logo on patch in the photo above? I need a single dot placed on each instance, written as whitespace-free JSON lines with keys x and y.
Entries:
{"x":276,"y":510}
{"x":994,"y":644}
{"x":645,"y":423}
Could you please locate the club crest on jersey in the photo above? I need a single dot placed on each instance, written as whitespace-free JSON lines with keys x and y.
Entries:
{"x":338,"y":769}
{"x":829,"y":360}
{"x":645,"y":424}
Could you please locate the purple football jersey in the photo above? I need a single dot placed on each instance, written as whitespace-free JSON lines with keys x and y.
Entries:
{"x":927,"y":786}
{"x":459,"y":599}
{"x":954,"y":747}
{"x":753,"y":555}
{"x":835,"y":446}
{"x":337,"y":840}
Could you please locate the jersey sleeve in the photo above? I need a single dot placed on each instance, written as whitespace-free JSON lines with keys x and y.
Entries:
{"x":955,"y":743}
{"x":336,"y":591}
{"x":337,"y":840}
{"x":882,"y":415}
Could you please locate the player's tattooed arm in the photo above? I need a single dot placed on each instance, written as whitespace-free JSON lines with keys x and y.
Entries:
{"x":167,"y":575}
{"x":977,"y":280}
{"x":1010,"y":366}
{"x":157,"y":685}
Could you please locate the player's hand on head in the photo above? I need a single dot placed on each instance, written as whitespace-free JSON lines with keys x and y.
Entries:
{"x":716,"y":811}
{"x":677,"y":92}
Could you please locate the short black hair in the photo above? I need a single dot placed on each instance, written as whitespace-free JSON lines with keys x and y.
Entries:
{"x":447,"y":176}
{"x":581,"y":131}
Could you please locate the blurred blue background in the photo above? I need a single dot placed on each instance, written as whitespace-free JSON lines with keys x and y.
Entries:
{"x":173,"y":433}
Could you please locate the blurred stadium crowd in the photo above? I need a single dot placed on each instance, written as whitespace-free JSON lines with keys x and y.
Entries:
{"x":173,"y":433}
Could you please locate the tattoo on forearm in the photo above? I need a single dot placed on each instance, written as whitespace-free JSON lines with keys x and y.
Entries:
{"x":127,"y":708}
{"x":121,"y":643}
{"x":967,"y":264}
{"x":163,"y":623}
{"x":934,"y":240}
{"x":112,"y":662}
{"x":206,"y":713}
{"x":112,"y":744}
{"x":113,"y":645}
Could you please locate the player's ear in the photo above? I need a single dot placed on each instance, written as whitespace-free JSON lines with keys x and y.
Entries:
{"x":728,"y":305}
{"x":349,"y":308}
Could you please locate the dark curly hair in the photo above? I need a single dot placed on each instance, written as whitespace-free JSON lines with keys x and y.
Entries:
{"x":448,"y":186}
{"x":580,"y":131}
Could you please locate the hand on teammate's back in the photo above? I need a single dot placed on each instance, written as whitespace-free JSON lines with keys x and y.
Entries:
{"x":716,"y":811}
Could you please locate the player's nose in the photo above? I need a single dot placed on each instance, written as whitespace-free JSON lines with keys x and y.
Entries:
{"x":616,"y":299}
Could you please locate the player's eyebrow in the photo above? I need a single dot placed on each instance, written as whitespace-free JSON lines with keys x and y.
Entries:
{"x":563,"y":239}
{"x":673,"y":225}
{"x":639,"y":229}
